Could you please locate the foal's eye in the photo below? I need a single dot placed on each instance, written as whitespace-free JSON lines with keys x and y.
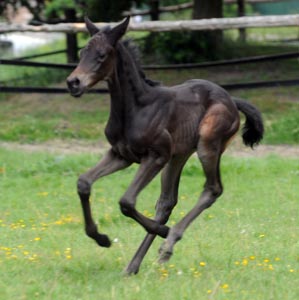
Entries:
{"x":101,"y":57}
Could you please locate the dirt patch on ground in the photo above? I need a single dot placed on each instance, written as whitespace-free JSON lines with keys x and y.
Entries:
{"x":236,"y":149}
{"x":264,"y":150}
{"x":58,"y":146}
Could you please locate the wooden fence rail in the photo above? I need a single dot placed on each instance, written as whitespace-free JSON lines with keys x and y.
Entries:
{"x":236,"y":61}
{"x":158,"y":26}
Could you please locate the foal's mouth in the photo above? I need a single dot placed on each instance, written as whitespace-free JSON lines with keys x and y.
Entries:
{"x":76,"y":93}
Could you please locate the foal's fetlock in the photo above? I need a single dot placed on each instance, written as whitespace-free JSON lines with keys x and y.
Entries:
{"x":165,"y":252}
{"x":83,"y":185}
{"x":166,"y":248}
{"x":158,"y":229}
{"x":161,"y":230}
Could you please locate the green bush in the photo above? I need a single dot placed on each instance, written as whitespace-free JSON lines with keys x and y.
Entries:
{"x":183,"y":47}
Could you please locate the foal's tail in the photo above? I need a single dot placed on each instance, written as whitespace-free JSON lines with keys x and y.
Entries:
{"x":253,"y":129}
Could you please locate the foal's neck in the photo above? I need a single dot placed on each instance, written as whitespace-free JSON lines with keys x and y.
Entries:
{"x":127,"y":90}
{"x":127,"y":81}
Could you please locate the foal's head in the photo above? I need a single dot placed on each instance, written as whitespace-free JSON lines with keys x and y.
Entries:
{"x":97,"y":58}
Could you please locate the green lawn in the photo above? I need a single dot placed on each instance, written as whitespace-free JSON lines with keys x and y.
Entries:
{"x":244,"y":247}
{"x":34,"y":118}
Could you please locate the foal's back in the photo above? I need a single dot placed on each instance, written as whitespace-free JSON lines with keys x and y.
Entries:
{"x":201,"y":92}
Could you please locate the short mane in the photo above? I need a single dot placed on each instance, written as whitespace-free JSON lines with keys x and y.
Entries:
{"x":135,"y":54}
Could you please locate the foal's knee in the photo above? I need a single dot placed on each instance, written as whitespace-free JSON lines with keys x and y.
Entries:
{"x":83,"y":185}
{"x":126,"y":207}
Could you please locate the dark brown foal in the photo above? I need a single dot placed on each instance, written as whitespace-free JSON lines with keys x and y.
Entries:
{"x":159,"y":128}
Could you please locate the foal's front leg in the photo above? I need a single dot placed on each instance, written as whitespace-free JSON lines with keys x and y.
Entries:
{"x":149,"y":168}
{"x":109,"y":164}
{"x":168,"y":199}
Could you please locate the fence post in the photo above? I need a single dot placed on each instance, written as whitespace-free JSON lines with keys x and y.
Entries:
{"x":241,"y":13}
{"x":154,"y":10}
{"x":71,"y":38}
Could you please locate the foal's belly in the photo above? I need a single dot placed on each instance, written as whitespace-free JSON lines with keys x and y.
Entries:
{"x":128,"y":152}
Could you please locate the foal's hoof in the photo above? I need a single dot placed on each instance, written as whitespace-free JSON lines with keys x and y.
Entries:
{"x":131,"y":270}
{"x":103,"y":240}
{"x":165,"y":252}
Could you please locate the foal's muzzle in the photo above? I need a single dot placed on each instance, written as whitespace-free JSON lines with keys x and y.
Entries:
{"x":75,"y":86}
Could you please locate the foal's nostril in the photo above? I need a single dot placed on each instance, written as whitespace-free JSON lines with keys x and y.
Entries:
{"x":76,"y":81}
{"x":73,"y":82}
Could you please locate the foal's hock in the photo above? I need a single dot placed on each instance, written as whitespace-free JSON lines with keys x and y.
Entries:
{"x":159,"y":128}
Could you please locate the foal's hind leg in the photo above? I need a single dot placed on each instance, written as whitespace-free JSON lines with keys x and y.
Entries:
{"x":212,"y":190}
{"x":109,"y":164}
{"x":214,"y":135}
{"x":168,"y":199}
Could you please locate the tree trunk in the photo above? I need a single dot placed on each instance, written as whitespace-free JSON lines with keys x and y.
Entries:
{"x":212,"y":40}
{"x":71,"y":38}
{"x":207,"y":9}
{"x":154,"y":10}
{"x":241,"y":13}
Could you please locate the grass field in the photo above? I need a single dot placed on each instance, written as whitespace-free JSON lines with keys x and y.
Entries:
{"x":244,"y":247}
{"x":34,"y":118}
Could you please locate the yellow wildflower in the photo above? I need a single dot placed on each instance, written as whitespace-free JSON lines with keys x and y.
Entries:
{"x":245,"y":262}
{"x":225,"y":286}
{"x":59,"y":222}
{"x":43,"y":194}
{"x":164,"y":273}
{"x":196,"y":274}
{"x":202,"y":263}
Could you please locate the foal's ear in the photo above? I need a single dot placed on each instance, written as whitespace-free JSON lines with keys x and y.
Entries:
{"x":118,"y":31}
{"x":92,"y":29}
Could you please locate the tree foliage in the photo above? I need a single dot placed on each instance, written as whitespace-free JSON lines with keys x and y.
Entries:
{"x":54,"y":10}
{"x":190,"y":46}
{"x":187,"y":46}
